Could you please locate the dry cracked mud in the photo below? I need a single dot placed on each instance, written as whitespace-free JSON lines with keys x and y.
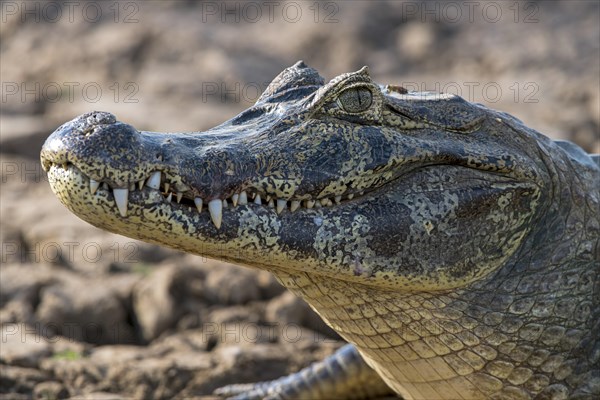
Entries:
{"x":90,"y":315}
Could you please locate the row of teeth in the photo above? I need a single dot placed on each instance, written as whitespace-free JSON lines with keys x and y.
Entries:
{"x":215,"y":207}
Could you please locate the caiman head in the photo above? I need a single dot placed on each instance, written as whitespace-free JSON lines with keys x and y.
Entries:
{"x":349,"y":180}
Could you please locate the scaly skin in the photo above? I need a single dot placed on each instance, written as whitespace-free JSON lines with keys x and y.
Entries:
{"x":455,"y":248}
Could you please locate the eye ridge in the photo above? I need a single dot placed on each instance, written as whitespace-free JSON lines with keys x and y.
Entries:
{"x":356,"y":99}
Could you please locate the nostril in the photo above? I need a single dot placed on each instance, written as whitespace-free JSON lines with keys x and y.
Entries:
{"x":87,"y":123}
{"x":99,"y":118}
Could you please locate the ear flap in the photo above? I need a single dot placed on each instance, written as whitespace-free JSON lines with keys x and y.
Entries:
{"x":440,"y":109}
{"x":299,"y":76}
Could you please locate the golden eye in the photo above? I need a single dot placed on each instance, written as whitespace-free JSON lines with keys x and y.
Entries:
{"x":355,"y":100}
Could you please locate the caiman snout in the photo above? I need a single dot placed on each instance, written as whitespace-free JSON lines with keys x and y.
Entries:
{"x":92,"y":135}
{"x":194,"y":169}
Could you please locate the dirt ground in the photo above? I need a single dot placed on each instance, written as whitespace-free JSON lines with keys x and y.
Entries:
{"x":90,"y":315}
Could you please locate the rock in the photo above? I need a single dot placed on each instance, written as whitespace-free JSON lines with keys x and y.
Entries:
{"x":16,"y":311}
{"x":23,"y":346}
{"x":240,"y":325}
{"x":192,"y":341}
{"x":78,"y":375}
{"x":50,"y":390}
{"x":23,"y":281}
{"x":231,"y":284}
{"x":113,"y":354}
{"x":100,"y":396}
{"x":233,"y":314}
{"x":190,"y":361}
{"x":86,"y":310}
{"x":18,"y":383}
{"x":288,"y":311}
{"x":287,"y":308}
{"x":164,"y":296}
{"x":20,"y":286}
{"x":268,"y":285}
{"x":153,"y":378}
{"x":267,"y":358}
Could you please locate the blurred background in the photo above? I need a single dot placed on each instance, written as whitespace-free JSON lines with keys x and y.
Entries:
{"x":90,"y":314}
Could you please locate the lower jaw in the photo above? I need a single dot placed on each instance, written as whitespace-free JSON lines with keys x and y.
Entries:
{"x":248,"y":235}
{"x":252,"y":235}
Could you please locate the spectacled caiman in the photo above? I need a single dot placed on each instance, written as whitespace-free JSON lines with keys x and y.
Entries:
{"x":456,"y":249}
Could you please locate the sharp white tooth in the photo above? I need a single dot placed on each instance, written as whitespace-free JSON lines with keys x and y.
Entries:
{"x":94,"y":185}
{"x":252,"y":196}
{"x":310,"y":203}
{"x":325,"y":202}
{"x":350,"y":196}
{"x":271,"y":203}
{"x":154,"y":180}
{"x":179,"y":196}
{"x":167,"y":186}
{"x":105,"y":186}
{"x":234,"y":199}
{"x":268,"y":198}
{"x":170,"y":197}
{"x":257,"y":199}
{"x":243,"y":198}
{"x":121,"y":200}
{"x":224,"y":203}
{"x":281,"y":205}
{"x":131,"y":187}
{"x":338,"y":199}
{"x":215,"y":208}
{"x":141,"y":184}
{"x":295,"y":205}
{"x":198,"y":203}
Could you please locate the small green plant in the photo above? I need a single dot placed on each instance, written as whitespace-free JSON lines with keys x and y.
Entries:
{"x":70,"y":355}
{"x":143,"y":269}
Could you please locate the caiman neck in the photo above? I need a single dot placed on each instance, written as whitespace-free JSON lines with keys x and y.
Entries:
{"x":569,"y":225}
{"x":535,"y":297}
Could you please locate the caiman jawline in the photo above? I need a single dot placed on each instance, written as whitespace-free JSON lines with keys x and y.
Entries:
{"x":215,"y":206}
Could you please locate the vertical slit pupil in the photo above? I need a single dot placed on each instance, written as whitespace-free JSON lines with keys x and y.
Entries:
{"x":356,"y":99}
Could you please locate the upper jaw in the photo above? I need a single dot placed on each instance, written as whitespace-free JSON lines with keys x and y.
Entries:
{"x":173,"y":190}
{"x":201,"y":176}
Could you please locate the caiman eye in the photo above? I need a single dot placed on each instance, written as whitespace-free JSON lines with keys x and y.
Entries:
{"x":356,"y":99}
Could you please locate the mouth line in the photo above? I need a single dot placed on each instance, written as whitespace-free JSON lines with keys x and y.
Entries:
{"x":178,"y":195}
{"x":158,"y":181}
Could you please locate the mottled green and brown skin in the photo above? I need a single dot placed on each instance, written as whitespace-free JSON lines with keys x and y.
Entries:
{"x":455,"y":248}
